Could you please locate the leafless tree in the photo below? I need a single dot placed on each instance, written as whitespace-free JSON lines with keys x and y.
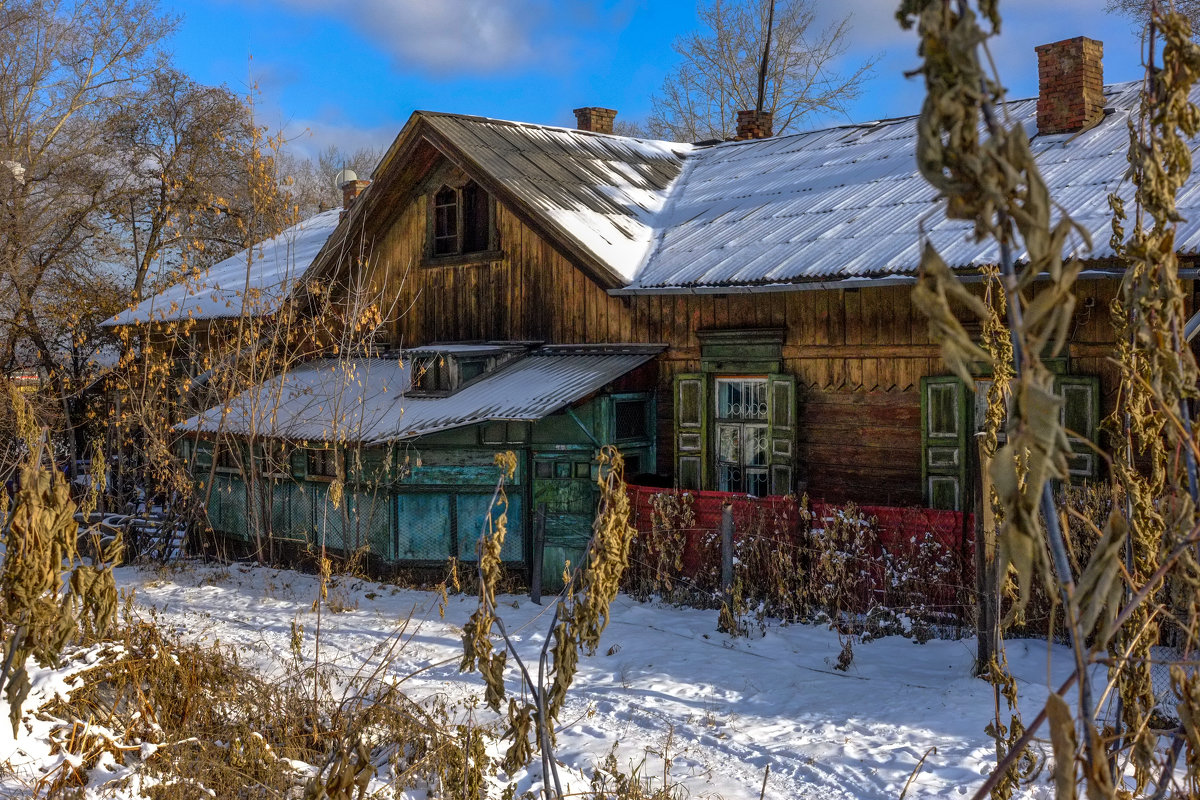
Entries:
{"x":312,"y":180}
{"x":181,"y":145}
{"x":65,"y":66}
{"x":719,"y":71}
{"x":1139,"y":10}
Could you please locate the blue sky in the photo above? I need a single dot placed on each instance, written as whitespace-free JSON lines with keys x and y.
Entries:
{"x":349,"y":72}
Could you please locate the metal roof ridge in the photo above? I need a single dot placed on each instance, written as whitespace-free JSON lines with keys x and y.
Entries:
{"x":561,"y":128}
{"x":600,"y":349}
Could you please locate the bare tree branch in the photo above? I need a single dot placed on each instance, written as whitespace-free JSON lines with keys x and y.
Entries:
{"x":719,"y":71}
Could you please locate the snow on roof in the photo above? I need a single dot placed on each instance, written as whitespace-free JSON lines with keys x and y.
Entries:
{"x":848,"y":203}
{"x":820,"y":207}
{"x":603,"y":191}
{"x":367,"y":399}
{"x":275,"y":266}
{"x":808,"y":209}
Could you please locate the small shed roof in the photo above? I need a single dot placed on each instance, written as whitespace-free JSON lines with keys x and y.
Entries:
{"x":368,"y":400}
{"x":257,"y":279}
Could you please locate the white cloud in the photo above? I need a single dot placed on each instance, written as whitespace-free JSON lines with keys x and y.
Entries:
{"x":445,"y":36}
{"x":309,"y":137}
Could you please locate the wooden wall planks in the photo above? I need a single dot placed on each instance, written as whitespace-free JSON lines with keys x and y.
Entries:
{"x":858,"y":355}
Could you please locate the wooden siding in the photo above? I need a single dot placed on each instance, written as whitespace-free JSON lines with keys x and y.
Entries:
{"x":858,"y":354}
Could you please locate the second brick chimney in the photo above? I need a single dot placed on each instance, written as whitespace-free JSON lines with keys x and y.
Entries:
{"x":754,"y":124}
{"x":1070,"y":85}
{"x":351,"y":190}
{"x":595,"y":119}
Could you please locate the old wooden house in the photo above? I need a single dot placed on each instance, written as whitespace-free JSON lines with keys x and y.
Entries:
{"x":736,"y":314}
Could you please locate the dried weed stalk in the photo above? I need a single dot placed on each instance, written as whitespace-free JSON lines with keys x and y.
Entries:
{"x":48,"y":595}
{"x":580,"y":617}
{"x":1158,"y":371}
{"x":994,"y":183}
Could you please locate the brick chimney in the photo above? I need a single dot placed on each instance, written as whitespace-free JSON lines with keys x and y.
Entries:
{"x":1070,"y":85}
{"x":597,"y":120}
{"x":754,"y":125}
{"x":351,"y":190}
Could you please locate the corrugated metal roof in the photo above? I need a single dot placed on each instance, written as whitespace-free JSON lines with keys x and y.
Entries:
{"x":369,"y":399}
{"x":603,"y":191}
{"x":269,"y":270}
{"x":819,"y":207}
{"x":848,"y":203}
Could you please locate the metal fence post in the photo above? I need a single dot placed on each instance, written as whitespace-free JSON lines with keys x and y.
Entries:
{"x":727,"y":555}
{"x":539,"y":549}
{"x":987,"y":582}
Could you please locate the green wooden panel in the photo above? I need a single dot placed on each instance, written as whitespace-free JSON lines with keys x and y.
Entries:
{"x":423,"y":526}
{"x":291,"y":511}
{"x":691,"y":427}
{"x":689,"y":471}
{"x":947,"y":422}
{"x":368,"y":465}
{"x":572,"y":496}
{"x":555,"y":560}
{"x":744,"y":351}
{"x":440,"y":475}
{"x":329,"y":524}
{"x":472,"y":511}
{"x":557,"y":429}
{"x":567,"y":537}
{"x":782,"y":415}
{"x":227,"y":507}
{"x":944,"y":492}
{"x":299,"y":463}
{"x":943,"y":417}
{"x":370,"y":522}
{"x":1080,"y":415}
{"x":457,"y":457}
{"x":455,"y":437}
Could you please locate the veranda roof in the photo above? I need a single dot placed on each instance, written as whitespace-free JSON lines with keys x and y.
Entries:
{"x":370,"y":400}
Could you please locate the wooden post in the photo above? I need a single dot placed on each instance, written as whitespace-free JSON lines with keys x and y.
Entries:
{"x":727,"y":555}
{"x":539,"y":549}
{"x":987,"y":584}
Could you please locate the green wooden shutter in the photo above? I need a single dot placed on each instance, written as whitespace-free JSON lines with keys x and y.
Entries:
{"x":1080,"y":415}
{"x":782,"y":416}
{"x":946,"y":424}
{"x":204,"y":455}
{"x":691,"y":430}
{"x":299,"y":459}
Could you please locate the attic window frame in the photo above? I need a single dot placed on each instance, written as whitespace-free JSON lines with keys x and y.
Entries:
{"x":446,"y":244}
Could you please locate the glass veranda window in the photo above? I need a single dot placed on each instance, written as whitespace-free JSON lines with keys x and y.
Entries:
{"x":742,"y":440}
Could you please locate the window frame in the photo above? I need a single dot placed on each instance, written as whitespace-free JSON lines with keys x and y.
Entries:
{"x":646,"y":435}
{"x":743,"y":423}
{"x":224,"y":460}
{"x":275,"y":459}
{"x":323,"y":457}
{"x":697,"y":442}
{"x":487,"y":244}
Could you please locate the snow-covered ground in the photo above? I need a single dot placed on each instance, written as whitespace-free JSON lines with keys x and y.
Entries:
{"x":664,"y":683}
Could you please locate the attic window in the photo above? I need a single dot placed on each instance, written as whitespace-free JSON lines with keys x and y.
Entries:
{"x":462,"y":221}
{"x":445,"y":222}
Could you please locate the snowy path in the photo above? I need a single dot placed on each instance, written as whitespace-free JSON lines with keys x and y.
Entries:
{"x":721,"y":709}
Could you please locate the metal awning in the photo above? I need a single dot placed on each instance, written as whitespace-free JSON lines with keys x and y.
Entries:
{"x":370,"y":400}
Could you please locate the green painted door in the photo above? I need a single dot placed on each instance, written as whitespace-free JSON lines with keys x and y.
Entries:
{"x":566,"y":488}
